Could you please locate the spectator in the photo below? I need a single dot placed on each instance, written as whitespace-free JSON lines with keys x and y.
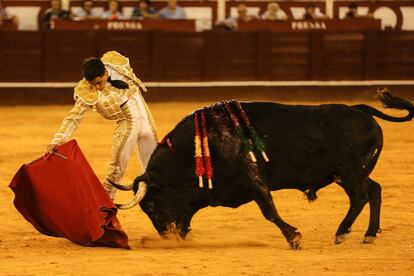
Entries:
{"x":114,"y":11}
{"x":54,"y":12}
{"x":172,"y":11}
{"x":311,"y":13}
{"x":4,"y":15}
{"x":242,"y":15}
{"x":3,"y":11}
{"x":145,"y":11}
{"x":353,"y":12}
{"x":274,"y":12}
{"x":86,"y":11}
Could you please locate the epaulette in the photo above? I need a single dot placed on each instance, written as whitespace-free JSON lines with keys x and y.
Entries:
{"x":86,"y":93}
{"x":115,"y":59}
{"x":121,"y":64}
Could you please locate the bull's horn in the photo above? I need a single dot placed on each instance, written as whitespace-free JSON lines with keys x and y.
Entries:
{"x":121,"y":187}
{"x":142,"y":190}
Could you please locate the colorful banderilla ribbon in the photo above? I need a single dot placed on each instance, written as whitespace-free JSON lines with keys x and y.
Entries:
{"x":247,"y":144}
{"x":202,"y":152}
{"x":206,"y":151}
{"x":257,"y":141}
{"x":199,"y":165}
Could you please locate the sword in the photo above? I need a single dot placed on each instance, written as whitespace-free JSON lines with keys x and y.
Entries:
{"x":46,"y":156}
{"x":60,"y":155}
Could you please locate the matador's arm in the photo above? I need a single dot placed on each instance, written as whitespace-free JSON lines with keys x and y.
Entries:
{"x":70,"y":123}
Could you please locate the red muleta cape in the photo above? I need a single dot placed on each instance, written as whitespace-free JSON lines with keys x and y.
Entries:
{"x":64,"y":198}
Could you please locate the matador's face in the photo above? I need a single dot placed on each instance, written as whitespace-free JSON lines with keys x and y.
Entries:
{"x":100,"y":82}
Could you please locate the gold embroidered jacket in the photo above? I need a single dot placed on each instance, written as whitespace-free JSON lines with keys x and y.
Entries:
{"x":106,"y":102}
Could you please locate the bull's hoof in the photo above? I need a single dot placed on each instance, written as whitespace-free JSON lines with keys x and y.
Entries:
{"x":369,"y":239}
{"x":186,"y":234}
{"x":188,"y":237}
{"x":341,"y":238}
{"x":295,"y":241}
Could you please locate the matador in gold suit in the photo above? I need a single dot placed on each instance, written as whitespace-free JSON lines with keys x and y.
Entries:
{"x":134,"y":124}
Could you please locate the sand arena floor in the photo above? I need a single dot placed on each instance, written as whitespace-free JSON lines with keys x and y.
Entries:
{"x":224,"y":241}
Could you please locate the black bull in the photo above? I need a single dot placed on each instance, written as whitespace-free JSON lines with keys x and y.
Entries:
{"x":309,"y":147}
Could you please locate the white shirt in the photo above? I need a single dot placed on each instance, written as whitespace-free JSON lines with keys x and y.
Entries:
{"x":280,"y":15}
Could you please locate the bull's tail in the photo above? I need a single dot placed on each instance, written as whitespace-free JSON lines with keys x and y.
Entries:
{"x":389,"y":101}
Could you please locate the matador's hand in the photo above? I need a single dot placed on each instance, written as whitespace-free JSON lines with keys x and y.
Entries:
{"x":51,"y":148}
